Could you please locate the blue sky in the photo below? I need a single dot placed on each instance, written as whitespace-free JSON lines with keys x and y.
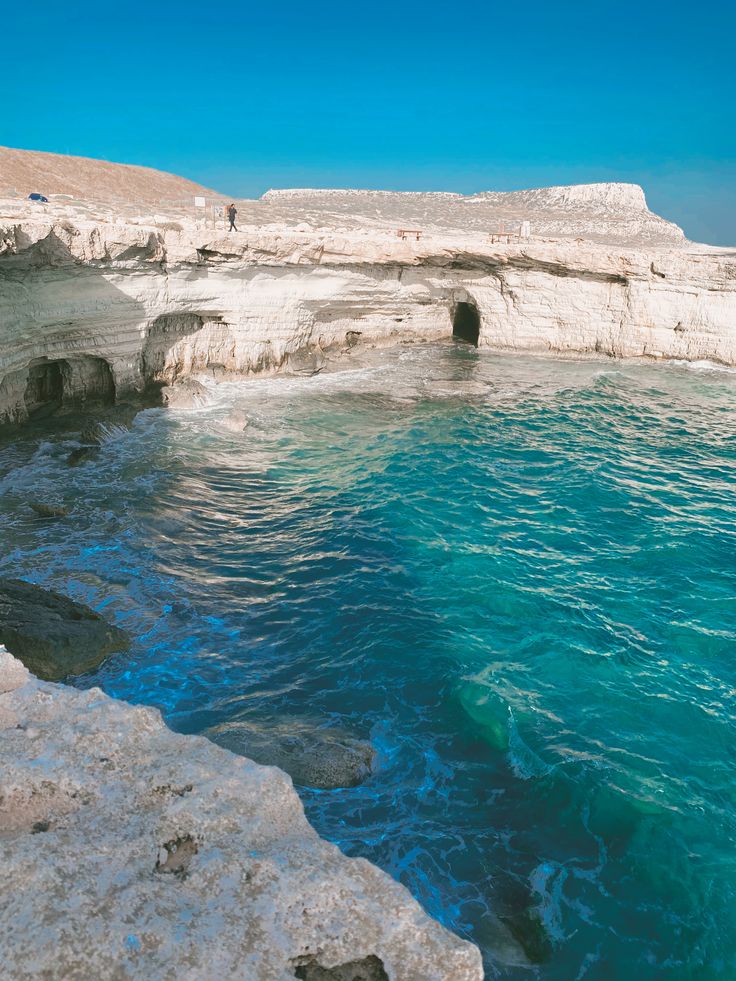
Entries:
{"x":462,"y":96}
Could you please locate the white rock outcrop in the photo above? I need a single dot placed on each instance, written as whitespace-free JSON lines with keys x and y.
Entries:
{"x":91,"y":306}
{"x":610,"y":213}
{"x":96,"y":299}
{"x":128,"y":851}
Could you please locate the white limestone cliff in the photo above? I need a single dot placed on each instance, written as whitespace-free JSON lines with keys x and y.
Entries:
{"x":131,"y":852}
{"x":116,"y":304}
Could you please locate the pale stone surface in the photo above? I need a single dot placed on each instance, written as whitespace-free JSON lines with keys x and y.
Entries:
{"x":108,"y":292}
{"x":188,"y":393}
{"x":603,"y":212}
{"x":131,"y":852}
{"x":13,"y":673}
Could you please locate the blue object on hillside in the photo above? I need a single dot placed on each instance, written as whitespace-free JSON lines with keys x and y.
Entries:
{"x":38,"y":197}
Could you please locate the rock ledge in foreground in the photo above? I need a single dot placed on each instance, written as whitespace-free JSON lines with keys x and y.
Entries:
{"x":129,"y":851}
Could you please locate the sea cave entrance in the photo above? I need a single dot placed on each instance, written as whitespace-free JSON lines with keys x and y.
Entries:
{"x":45,"y":388}
{"x":52,"y":383}
{"x":466,"y":323}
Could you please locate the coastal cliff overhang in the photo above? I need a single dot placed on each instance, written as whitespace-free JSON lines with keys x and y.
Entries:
{"x":199,"y":301}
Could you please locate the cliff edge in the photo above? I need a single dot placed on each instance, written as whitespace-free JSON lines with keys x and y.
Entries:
{"x":129,"y":851}
{"x":100,"y":299}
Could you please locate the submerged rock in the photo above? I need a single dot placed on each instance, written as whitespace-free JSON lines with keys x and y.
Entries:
{"x":82,"y":454}
{"x":91,"y":435}
{"x":48,"y":510}
{"x":91,"y":439}
{"x":53,"y":635}
{"x":135,"y":852}
{"x":321,"y":758}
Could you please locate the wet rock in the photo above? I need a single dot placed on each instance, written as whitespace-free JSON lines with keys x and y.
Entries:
{"x":306,"y":362}
{"x":185,"y":394}
{"x":235,"y":422}
{"x":82,"y":454}
{"x":90,"y":436}
{"x":48,"y":510}
{"x":53,"y":635}
{"x":217,"y":370}
{"x":321,"y":758}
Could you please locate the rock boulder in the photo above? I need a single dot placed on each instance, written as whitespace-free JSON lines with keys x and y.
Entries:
{"x":313,"y":757}
{"x":53,"y":635}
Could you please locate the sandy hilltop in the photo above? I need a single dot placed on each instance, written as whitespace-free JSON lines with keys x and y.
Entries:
{"x":127,"y":279}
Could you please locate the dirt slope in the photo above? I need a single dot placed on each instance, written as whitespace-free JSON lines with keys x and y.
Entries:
{"x":24,"y":171}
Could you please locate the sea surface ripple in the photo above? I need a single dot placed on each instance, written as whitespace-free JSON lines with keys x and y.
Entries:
{"x":516,"y":576}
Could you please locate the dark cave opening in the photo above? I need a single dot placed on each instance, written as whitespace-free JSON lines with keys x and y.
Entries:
{"x":45,"y":388}
{"x":67,"y":381}
{"x":466,"y":323}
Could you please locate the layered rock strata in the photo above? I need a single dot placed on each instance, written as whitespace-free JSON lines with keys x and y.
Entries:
{"x":92,"y":309}
{"x":131,"y":852}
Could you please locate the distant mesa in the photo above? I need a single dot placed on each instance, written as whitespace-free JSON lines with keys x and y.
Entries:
{"x":614,"y":213}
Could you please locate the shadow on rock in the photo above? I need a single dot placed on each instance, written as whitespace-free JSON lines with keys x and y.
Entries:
{"x":367,"y":969}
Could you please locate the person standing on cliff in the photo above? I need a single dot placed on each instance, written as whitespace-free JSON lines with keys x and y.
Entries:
{"x":231,"y":213}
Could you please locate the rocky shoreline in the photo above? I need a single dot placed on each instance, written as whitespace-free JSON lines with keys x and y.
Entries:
{"x":130,"y":851}
{"x":97,"y":308}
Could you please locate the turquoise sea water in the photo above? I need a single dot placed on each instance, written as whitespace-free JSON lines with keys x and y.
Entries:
{"x":516,"y":576}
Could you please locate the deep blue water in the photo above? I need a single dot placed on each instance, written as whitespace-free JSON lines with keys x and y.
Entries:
{"x":516,"y":576}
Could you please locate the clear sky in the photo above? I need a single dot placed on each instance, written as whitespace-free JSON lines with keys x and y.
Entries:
{"x":415,"y":95}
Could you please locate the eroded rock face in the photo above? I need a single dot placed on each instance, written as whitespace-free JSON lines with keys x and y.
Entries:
{"x":53,"y":635}
{"x":307,"y":362}
{"x":119,"y":304}
{"x":131,"y":852}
